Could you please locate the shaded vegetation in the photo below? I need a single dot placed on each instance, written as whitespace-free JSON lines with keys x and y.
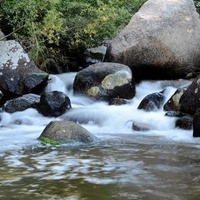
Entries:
{"x":61,"y":29}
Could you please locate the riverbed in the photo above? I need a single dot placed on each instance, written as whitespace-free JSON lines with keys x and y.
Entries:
{"x":162,"y":163}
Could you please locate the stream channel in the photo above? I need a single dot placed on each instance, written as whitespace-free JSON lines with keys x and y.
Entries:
{"x":161,"y":164}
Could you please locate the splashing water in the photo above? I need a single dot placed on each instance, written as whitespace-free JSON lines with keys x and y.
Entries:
{"x":125,"y":164}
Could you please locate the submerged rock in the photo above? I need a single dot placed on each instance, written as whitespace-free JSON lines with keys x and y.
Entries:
{"x":185,"y":122}
{"x":118,"y":101}
{"x":136,"y":126}
{"x":65,"y":132}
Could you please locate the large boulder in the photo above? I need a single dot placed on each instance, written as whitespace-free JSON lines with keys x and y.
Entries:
{"x":53,"y":104}
{"x":65,"y":132}
{"x":18,"y":75}
{"x":161,"y":41}
{"x":105,"y":81}
{"x":190,"y":100}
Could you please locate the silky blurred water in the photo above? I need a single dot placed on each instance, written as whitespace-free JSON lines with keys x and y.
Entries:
{"x":159,"y":164}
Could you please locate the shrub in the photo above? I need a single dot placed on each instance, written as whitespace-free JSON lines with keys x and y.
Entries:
{"x":54,"y":28}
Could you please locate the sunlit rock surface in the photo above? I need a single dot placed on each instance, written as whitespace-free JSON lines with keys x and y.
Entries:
{"x":161,"y":41}
{"x":18,"y":74}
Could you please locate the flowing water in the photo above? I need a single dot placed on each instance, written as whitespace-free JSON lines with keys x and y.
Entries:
{"x":161,"y":164}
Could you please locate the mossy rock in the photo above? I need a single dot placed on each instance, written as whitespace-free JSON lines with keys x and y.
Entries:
{"x":65,"y":132}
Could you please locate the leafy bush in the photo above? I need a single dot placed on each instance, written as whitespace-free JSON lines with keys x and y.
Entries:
{"x":34,"y":23}
{"x":55,"y":28}
{"x":91,"y":22}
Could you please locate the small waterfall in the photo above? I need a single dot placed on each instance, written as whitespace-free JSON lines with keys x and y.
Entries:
{"x":98,"y":117}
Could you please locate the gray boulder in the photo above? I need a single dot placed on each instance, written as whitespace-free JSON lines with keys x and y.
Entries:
{"x":19,"y":75}
{"x":117,"y":101}
{"x":21,"y":103}
{"x":105,"y":81}
{"x":161,"y":41}
{"x":65,"y":132}
{"x":138,"y":126}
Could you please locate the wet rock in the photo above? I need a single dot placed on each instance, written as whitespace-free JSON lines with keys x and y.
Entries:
{"x":53,"y":104}
{"x":65,"y":132}
{"x":17,"y":71}
{"x":174,"y":114}
{"x":152,"y":102}
{"x":21,"y":103}
{"x":190,"y":100}
{"x":104,"y":81}
{"x":196,"y":124}
{"x":185,"y":122}
{"x":95,"y":55}
{"x":173,"y":103}
{"x":141,"y":126}
{"x":158,"y":42}
{"x":117,"y":101}
{"x":35,"y":82}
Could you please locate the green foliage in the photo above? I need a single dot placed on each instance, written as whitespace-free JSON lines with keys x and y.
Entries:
{"x":91,"y":22}
{"x":34,"y":24}
{"x":197,"y":4}
{"x":42,"y":25}
{"x":46,"y":140}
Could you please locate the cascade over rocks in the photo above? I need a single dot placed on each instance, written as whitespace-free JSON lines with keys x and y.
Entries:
{"x":161,"y":41}
{"x":105,"y":81}
{"x":18,"y":75}
{"x":65,"y":132}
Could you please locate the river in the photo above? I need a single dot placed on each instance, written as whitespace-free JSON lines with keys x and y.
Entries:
{"x":163,"y":163}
